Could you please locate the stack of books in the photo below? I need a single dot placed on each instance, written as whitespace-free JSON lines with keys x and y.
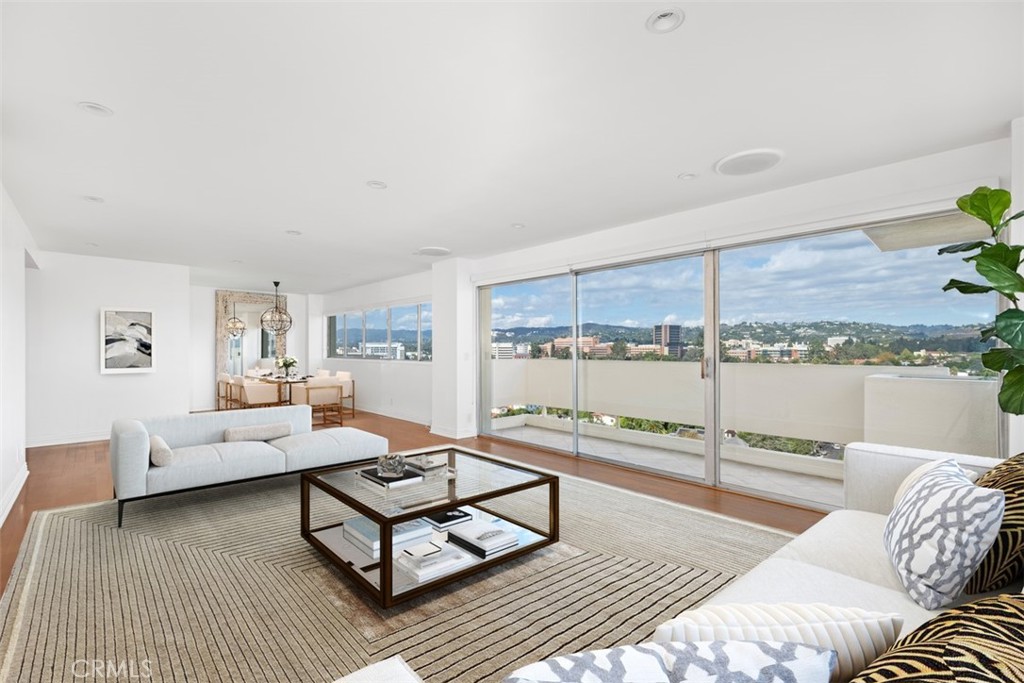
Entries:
{"x":483,"y":539}
{"x":364,"y":534}
{"x":448,"y":518}
{"x":408,"y":477}
{"x":426,"y":566}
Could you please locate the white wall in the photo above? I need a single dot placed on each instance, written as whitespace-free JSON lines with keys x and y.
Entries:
{"x":68,"y":400}
{"x":16,"y":248}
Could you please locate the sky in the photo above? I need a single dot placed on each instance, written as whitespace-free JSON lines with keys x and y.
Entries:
{"x":842,"y":276}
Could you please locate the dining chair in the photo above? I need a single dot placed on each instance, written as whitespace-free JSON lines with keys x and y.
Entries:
{"x":255,"y":394}
{"x":225,"y":398}
{"x":348,"y":392}
{"x":323,"y":395}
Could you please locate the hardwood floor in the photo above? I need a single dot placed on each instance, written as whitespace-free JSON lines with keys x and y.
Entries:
{"x":80,"y":473}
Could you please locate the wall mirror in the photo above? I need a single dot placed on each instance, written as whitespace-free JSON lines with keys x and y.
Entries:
{"x":256,"y":347}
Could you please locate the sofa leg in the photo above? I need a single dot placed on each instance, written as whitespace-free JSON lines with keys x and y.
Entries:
{"x":120,"y":513}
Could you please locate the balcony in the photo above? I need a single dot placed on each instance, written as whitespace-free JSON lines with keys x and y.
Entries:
{"x":922,"y":407}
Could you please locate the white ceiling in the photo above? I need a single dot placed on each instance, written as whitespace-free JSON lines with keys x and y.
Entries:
{"x":237,"y":121}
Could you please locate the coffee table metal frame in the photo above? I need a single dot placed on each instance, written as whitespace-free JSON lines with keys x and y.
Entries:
{"x":384,"y":593}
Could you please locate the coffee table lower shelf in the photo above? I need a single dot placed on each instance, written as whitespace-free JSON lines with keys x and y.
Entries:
{"x":355,"y":562}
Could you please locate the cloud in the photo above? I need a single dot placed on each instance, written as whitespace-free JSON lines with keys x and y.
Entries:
{"x":841,"y":276}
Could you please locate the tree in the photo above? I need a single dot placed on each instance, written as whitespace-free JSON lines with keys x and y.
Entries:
{"x":535,"y":351}
{"x":620,"y":349}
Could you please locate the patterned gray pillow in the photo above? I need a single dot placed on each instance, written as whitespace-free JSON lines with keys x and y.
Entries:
{"x":940,"y":532}
{"x":709,"y":661}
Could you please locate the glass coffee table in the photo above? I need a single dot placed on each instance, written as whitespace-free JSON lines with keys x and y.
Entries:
{"x":459,"y":512}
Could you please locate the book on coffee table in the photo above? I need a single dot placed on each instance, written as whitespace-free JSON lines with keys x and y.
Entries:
{"x":448,"y":518}
{"x":407,"y":477}
{"x":365,"y":534}
{"x":483,"y":539}
{"x":447,"y":559}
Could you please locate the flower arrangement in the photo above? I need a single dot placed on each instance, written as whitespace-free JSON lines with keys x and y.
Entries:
{"x":287,"y":362}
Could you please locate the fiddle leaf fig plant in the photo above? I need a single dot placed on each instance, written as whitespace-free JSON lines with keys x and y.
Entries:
{"x":998,"y":263}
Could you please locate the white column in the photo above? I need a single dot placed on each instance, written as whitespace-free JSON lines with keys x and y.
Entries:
{"x":454,"y":366}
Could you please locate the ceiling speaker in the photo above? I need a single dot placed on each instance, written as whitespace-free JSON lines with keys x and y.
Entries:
{"x":750,"y":161}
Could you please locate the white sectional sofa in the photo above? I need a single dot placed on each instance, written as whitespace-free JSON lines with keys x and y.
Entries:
{"x":201,"y":456}
{"x":841,"y":560}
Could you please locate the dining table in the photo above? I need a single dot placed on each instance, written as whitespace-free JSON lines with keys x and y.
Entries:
{"x":284,"y":386}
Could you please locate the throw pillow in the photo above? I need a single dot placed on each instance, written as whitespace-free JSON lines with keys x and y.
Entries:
{"x":940,"y":532}
{"x":982,"y":641}
{"x":707,"y":661}
{"x":160,"y":454}
{"x":258,"y":432}
{"x":919,"y":472}
{"x":1004,"y":563}
{"x":856,"y":635}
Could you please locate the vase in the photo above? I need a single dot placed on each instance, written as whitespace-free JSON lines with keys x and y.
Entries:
{"x":391,"y":465}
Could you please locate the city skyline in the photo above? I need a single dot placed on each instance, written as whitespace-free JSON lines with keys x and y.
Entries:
{"x":838,"y":277}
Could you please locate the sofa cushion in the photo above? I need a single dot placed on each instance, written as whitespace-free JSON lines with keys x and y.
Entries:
{"x":706,"y":661}
{"x":940,"y":532}
{"x":914,"y":476}
{"x":215,"y":463}
{"x":274,"y":430}
{"x":857,"y":636}
{"x":329,"y":447}
{"x":784,"y":580}
{"x":848,"y":542}
{"x":160,"y":454}
{"x":1005,"y":561}
{"x":979,"y":641}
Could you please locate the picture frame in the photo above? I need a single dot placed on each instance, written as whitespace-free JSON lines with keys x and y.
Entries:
{"x":126,"y":341}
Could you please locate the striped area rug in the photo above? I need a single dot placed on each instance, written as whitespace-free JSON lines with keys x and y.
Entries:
{"x":217,"y":585}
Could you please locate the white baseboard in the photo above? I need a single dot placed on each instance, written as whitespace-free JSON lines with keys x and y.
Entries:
{"x":450,"y":433}
{"x":61,"y":439}
{"x":12,"y":492}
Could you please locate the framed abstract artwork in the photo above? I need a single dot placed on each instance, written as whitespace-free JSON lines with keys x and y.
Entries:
{"x":126,"y":341}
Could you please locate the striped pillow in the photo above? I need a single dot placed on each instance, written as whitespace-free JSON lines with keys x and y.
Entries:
{"x":981,"y":641}
{"x":1004,"y":563}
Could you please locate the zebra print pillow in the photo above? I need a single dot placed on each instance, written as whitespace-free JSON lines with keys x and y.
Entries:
{"x":980,"y":642}
{"x":1004,"y":563}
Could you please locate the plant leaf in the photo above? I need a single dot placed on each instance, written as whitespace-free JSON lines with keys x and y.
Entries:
{"x":987,"y":333}
{"x":962,"y":246}
{"x":986,"y":205}
{"x":1002,"y":359}
{"x":1010,"y":327}
{"x":1011,"y":395}
{"x":1006,"y":281}
{"x":1008,"y":255}
{"x":966,"y":287}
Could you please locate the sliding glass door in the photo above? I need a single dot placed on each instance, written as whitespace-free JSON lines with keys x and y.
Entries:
{"x":785,"y":351}
{"x":640,"y":343}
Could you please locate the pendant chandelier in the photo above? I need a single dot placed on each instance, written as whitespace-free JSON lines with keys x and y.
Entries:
{"x":235,"y":326}
{"x":276,"y":319}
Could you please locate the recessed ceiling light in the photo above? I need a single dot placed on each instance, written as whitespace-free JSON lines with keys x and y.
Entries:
{"x":93,"y":198}
{"x":665,"y":20}
{"x":293,"y":232}
{"x":237,"y":261}
{"x":750,"y":161}
{"x":518,"y":226}
{"x":377,"y":184}
{"x":433,"y":251}
{"x":95,"y":109}
{"x":687,"y":176}
{"x":91,"y":244}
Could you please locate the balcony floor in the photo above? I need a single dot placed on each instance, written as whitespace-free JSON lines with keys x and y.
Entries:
{"x":804,"y":488}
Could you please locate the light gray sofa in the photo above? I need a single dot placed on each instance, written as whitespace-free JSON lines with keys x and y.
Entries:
{"x":201,"y":456}
{"x":841,"y":560}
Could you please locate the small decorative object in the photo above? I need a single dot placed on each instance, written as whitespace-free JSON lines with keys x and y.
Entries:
{"x":391,"y":465}
{"x":276,"y":319}
{"x":287,"y":363}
